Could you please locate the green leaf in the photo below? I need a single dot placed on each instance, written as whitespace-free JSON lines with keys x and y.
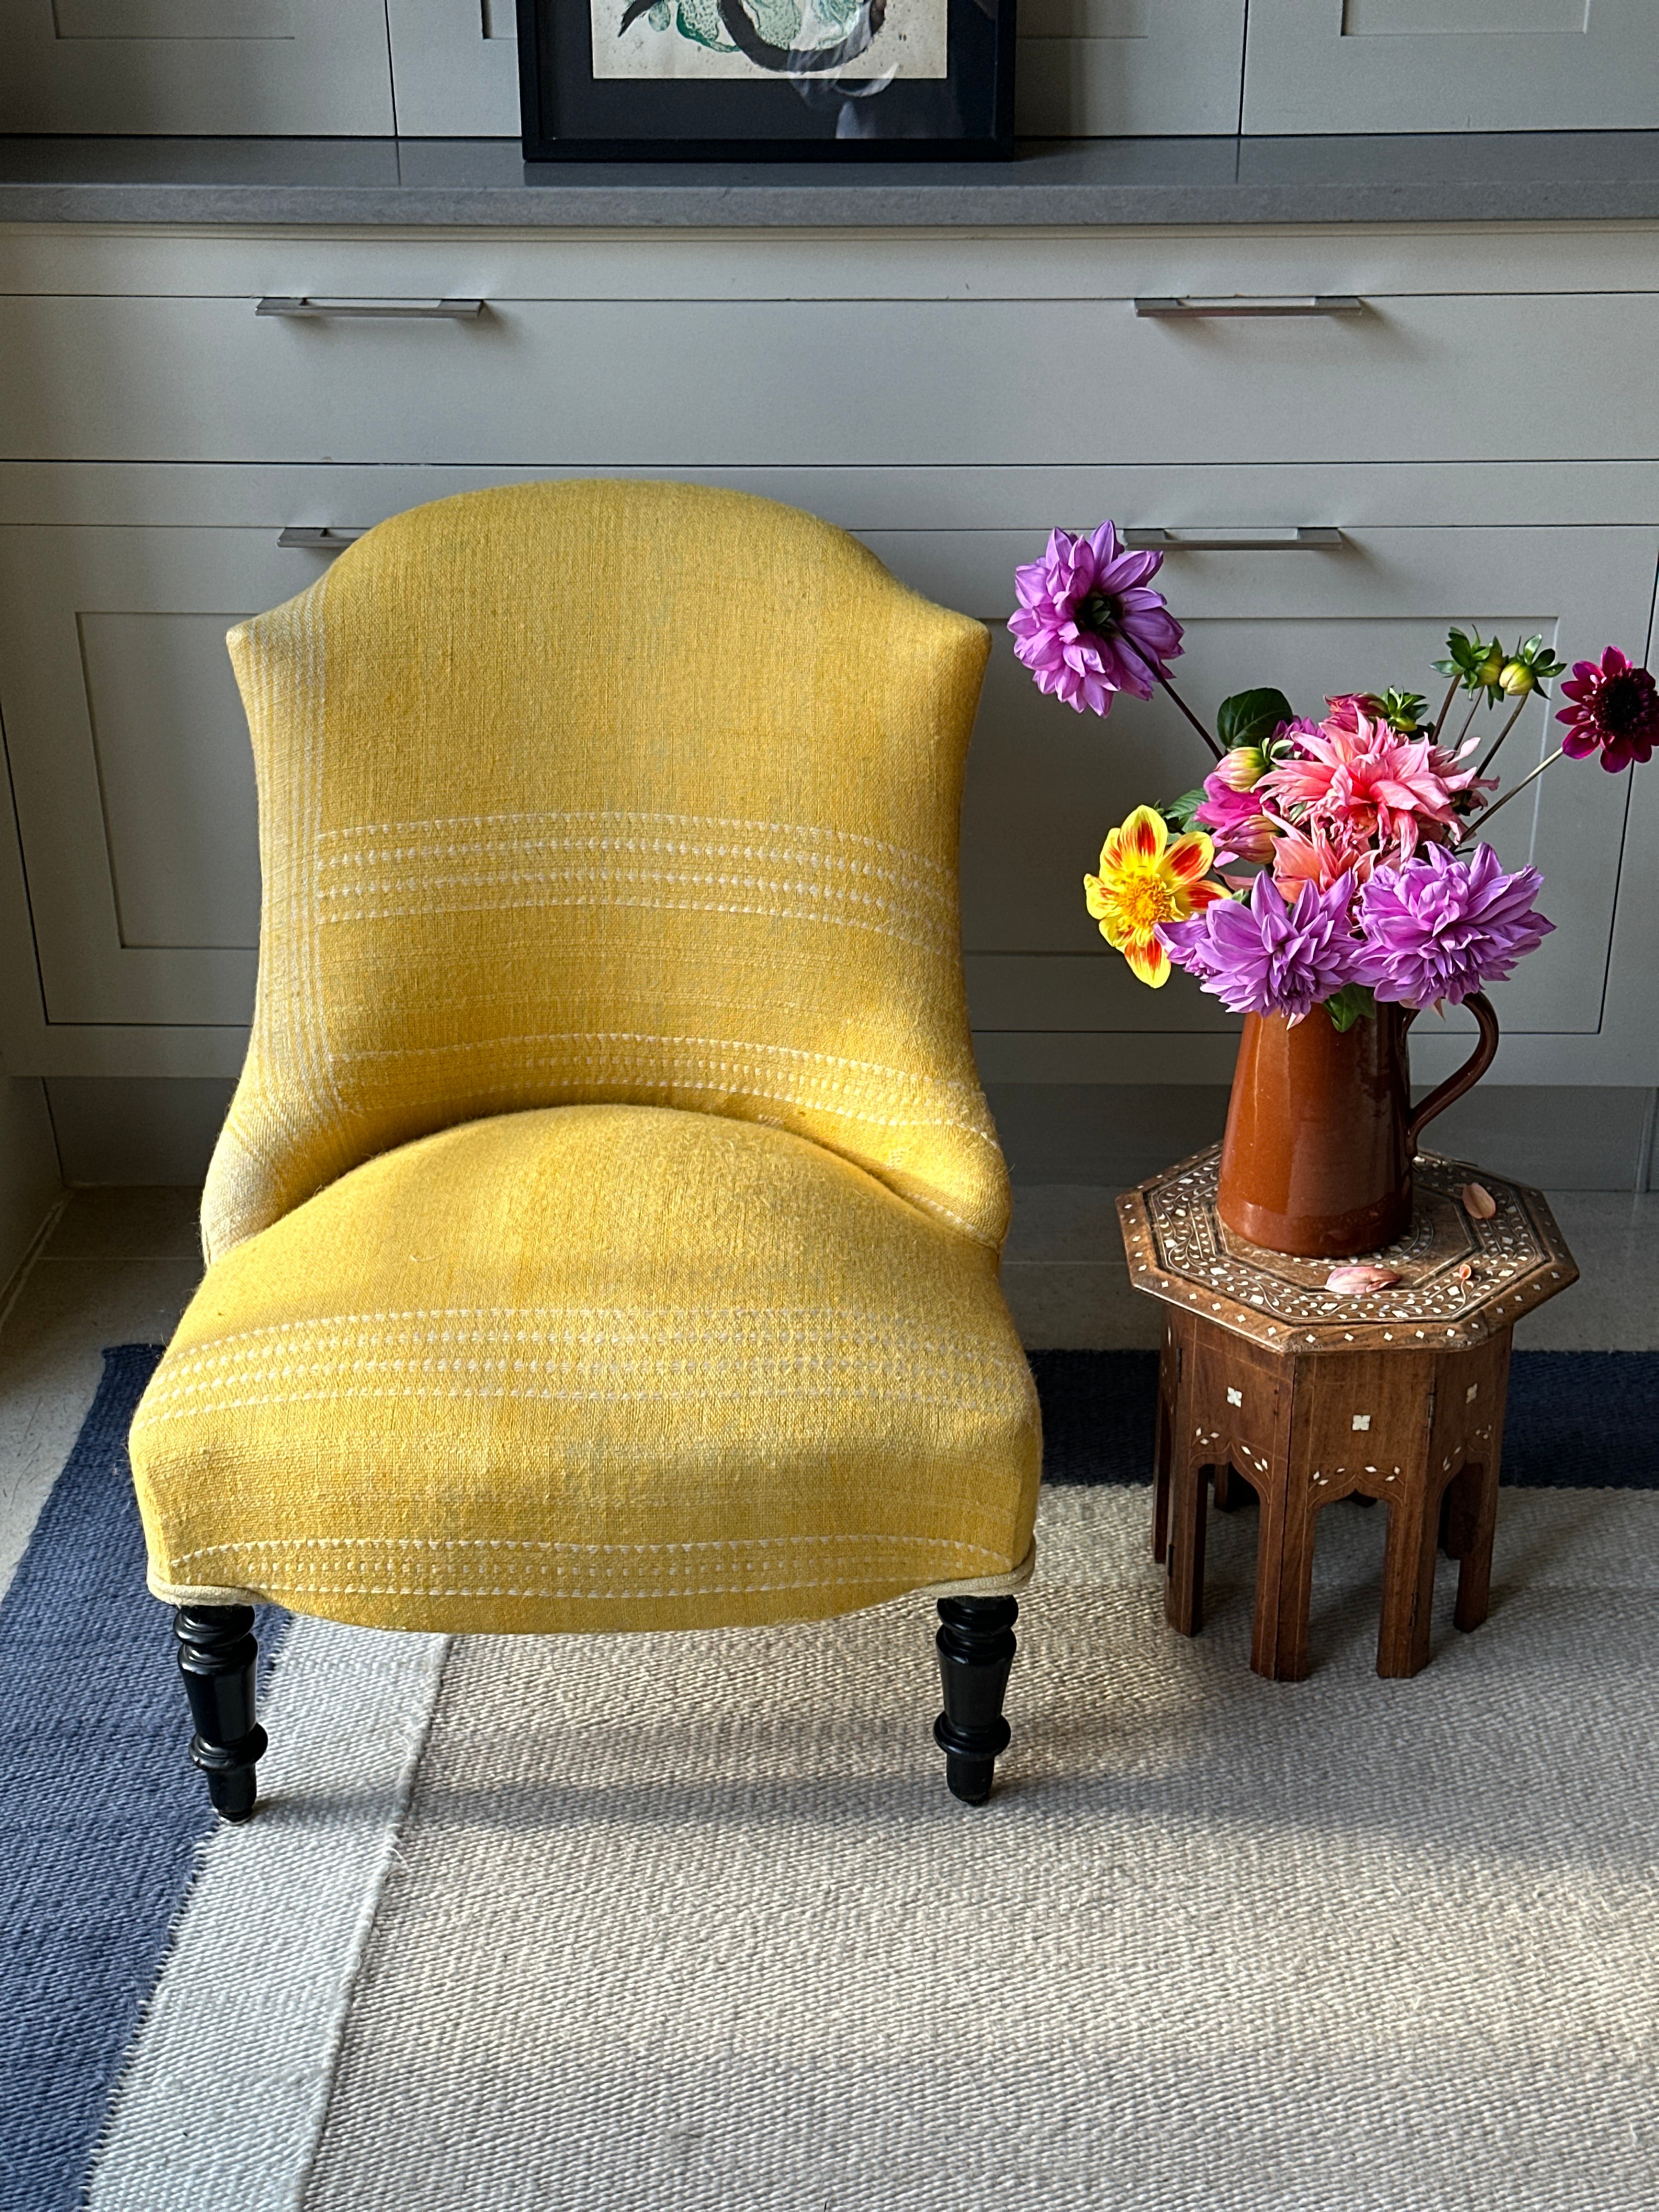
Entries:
{"x":1250,"y":718}
{"x":1354,"y":1002}
{"x":1404,"y":711}
{"x":1180,"y":811}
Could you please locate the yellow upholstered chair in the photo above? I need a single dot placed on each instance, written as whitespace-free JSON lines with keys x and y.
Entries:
{"x":604,"y":1232}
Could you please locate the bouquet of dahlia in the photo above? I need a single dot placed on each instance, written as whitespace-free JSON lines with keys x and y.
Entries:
{"x":1330,"y":863}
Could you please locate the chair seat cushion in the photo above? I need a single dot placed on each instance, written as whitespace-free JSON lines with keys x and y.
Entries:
{"x":592,"y":1367}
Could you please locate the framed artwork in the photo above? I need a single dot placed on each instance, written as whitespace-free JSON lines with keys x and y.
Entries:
{"x":767,"y":80}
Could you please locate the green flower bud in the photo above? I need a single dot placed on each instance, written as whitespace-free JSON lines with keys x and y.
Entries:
{"x":1516,"y":679}
{"x":1243,"y":768}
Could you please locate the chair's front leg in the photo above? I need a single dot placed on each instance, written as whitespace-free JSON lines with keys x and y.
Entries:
{"x":217,"y":1656}
{"x":975,"y":1650}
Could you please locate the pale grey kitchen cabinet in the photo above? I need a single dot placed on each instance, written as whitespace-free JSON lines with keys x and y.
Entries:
{"x":201,"y":67}
{"x":1313,"y":66}
{"x":136,"y":813}
{"x":1472,"y":454}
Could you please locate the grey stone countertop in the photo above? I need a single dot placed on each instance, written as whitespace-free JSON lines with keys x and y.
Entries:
{"x":1587,"y":176}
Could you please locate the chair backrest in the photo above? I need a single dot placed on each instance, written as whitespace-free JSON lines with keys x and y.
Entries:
{"x":602,"y":791}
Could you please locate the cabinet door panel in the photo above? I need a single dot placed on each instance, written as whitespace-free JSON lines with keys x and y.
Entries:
{"x":201,"y":68}
{"x":1393,"y":65}
{"x":1044,"y":784}
{"x":131,"y":763}
{"x":1128,"y":68}
{"x":455,"y":68}
{"x":694,"y":384}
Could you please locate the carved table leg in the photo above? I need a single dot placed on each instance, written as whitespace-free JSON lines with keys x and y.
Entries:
{"x":1169,"y":1410}
{"x":1228,"y":1489}
{"x":976,"y":1648}
{"x":217,"y":1656}
{"x":1408,"y":1563}
{"x":1184,"y":1588}
{"x":1284,"y":1576}
{"x":1473,"y":1525}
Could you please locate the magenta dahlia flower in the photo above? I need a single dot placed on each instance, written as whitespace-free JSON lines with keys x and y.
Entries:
{"x":1266,"y":957}
{"x":1443,"y":926}
{"x":1087,"y":626}
{"x":1615,"y":707}
{"x":1234,"y":817}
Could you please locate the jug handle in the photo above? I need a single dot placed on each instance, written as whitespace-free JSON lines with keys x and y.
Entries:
{"x":1467,"y":1076}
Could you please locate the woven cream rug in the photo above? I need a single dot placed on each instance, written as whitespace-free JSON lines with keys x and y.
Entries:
{"x":689,"y":1923}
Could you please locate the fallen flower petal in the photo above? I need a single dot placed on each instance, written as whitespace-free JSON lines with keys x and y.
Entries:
{"x":1479,"y":1201}
{"x":1358,"y":1280}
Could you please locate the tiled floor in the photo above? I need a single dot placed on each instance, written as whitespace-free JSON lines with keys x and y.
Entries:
{"x":117,"y":1268}
{"x":120,"y":1265}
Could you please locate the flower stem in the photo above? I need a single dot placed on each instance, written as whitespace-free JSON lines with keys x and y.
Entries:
{"x":1440,"y":718}
{"x":1469,"y":721}
{"x":1155,"y":672}
{"x":1214,"y":747}
{"x":1532,"y":777}
{"x":1492,"y":755}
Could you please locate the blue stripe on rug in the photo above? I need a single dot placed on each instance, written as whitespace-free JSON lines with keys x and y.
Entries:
{"x":99,"y":1814}
{"x":1576,"y":1420}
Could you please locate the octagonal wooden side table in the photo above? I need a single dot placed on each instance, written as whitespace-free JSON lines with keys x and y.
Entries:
{"x":1308,"y":1397}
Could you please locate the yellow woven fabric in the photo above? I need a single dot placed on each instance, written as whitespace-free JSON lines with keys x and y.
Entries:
{"x":609,"y":996}
{"x":513,"y":1381}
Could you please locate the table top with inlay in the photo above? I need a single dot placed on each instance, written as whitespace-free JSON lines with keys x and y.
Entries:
{"x":1463,"y":1278}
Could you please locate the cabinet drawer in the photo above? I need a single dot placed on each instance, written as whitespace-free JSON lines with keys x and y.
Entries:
{"x":692,"y":384}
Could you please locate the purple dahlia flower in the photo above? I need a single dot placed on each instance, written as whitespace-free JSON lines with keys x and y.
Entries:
{"x":1266,"y":957}
{"x":1087,"y":625}
{"x":1444,"y":927}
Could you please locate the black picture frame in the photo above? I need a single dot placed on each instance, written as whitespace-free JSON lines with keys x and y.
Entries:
{"x":571,"y":115}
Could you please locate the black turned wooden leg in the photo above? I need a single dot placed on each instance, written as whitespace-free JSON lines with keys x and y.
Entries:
{"x":216,"y":1656}
{"x":976,"y":1649}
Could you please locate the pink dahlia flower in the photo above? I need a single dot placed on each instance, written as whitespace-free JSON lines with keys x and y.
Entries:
{"x":1443,"y":927}
{"x":1320,"y":852}
{"x":1266,"y":958}
{"x":1369,"y":782}
{"x":1614,"y":707}
{"x":1087,"y":626}
{"x":1234,"y":818}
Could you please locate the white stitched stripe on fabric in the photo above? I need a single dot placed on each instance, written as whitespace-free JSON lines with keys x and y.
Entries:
{"x":872,"y":1580}
{"x":936,"y":941}
{"x":515,"y":825}
{"x":269,"y":1944}
{"x":532,"y":860}
{"x":945,"y":1400}
{"x":619,"y":1324}
{"x":587,"y":1551}
{"x":879,"y":1074}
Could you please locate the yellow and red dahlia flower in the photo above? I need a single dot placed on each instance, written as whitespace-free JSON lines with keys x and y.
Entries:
{"x":1146,"y":879}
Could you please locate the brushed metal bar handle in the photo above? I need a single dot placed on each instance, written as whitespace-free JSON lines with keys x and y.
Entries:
{"x":304,"y":307}
{"x":1307,"y":537}
{"x":1321,"y":303}
{"x":329,"y":538}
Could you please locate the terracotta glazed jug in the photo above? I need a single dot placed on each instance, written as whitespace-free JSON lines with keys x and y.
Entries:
{"x":1321,"y":1133}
